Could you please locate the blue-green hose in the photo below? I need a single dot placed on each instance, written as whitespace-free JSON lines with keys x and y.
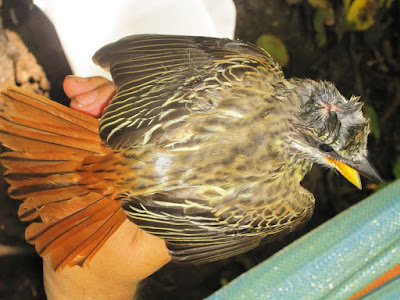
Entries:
{"x":335,"y":260}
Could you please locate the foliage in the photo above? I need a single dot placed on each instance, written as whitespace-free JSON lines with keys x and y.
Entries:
{"x":351,"y":15}
{"x":361,"y":14}
{"x":396,"y":168}
{"x":275,"y":47}
{"x":373,"y":119}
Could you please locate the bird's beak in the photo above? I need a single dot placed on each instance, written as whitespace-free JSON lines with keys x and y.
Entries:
{"x":350,"y":170}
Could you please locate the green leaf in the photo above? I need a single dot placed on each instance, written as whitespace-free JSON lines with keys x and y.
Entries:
{"x":275,"y":47}
{"x":396,"y":168}
{"x":374,"y":123}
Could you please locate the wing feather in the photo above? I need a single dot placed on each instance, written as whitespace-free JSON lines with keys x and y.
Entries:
{"x":156,"y":73}
{"x":196,"y":233}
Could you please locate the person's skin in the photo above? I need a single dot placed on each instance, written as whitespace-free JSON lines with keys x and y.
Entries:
{"x":89,"y":94}
{"x":130,"y":254}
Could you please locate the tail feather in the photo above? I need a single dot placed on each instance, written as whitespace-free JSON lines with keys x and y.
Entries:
{"x":23,"y":138}
{"x":83,"y":230}
{"x":49,"y":112}
{"x":66,"y":178}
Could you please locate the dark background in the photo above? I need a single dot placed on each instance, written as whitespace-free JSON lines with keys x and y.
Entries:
{"x":365,"y":63}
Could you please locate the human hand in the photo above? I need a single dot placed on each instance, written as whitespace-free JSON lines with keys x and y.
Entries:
{"x":130,"y":254}
{"x":89,"y":95}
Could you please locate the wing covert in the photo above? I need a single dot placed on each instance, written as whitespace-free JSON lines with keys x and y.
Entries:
{"x":158,"y":78}
{"x":197,"y":230}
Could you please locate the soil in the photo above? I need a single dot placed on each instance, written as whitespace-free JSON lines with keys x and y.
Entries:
{"x":365,"y":63}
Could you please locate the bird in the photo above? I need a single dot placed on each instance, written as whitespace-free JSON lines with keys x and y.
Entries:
{"x":204,"y":145}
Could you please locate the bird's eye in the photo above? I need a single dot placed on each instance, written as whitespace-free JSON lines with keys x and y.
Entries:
{"x":325,"y":148}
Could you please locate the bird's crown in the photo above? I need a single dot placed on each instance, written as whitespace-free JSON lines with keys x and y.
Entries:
{"x":332,"y":118}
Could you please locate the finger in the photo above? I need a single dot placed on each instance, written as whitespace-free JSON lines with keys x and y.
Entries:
{"x":94,"y":101}
{"x":74,"y":85}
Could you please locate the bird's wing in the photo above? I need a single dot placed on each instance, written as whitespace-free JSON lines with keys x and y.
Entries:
{"x":197,"y":231}
{"x":160,"y":78}
{"x":192,"y":232}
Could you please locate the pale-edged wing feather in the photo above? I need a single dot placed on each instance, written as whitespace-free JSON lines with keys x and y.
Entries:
{"x":195,"y":233}
{"x":159,"y":77}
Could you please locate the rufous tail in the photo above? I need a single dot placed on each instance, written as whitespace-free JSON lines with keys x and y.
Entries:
{"x":68,"y":181}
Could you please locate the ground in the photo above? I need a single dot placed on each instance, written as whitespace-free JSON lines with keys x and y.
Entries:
{"x":365,"y":63}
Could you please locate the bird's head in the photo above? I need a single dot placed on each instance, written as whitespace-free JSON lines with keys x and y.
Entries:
{"x":331,"y":130}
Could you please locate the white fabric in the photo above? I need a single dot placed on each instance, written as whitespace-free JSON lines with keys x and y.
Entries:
{"x":85,"y":26}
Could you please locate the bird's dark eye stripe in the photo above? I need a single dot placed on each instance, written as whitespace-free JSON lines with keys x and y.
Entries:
{"x":325,"y":148}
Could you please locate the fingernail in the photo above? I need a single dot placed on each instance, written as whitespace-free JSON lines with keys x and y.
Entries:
{"x":78,"y":79}
{"x":75,"y":104}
